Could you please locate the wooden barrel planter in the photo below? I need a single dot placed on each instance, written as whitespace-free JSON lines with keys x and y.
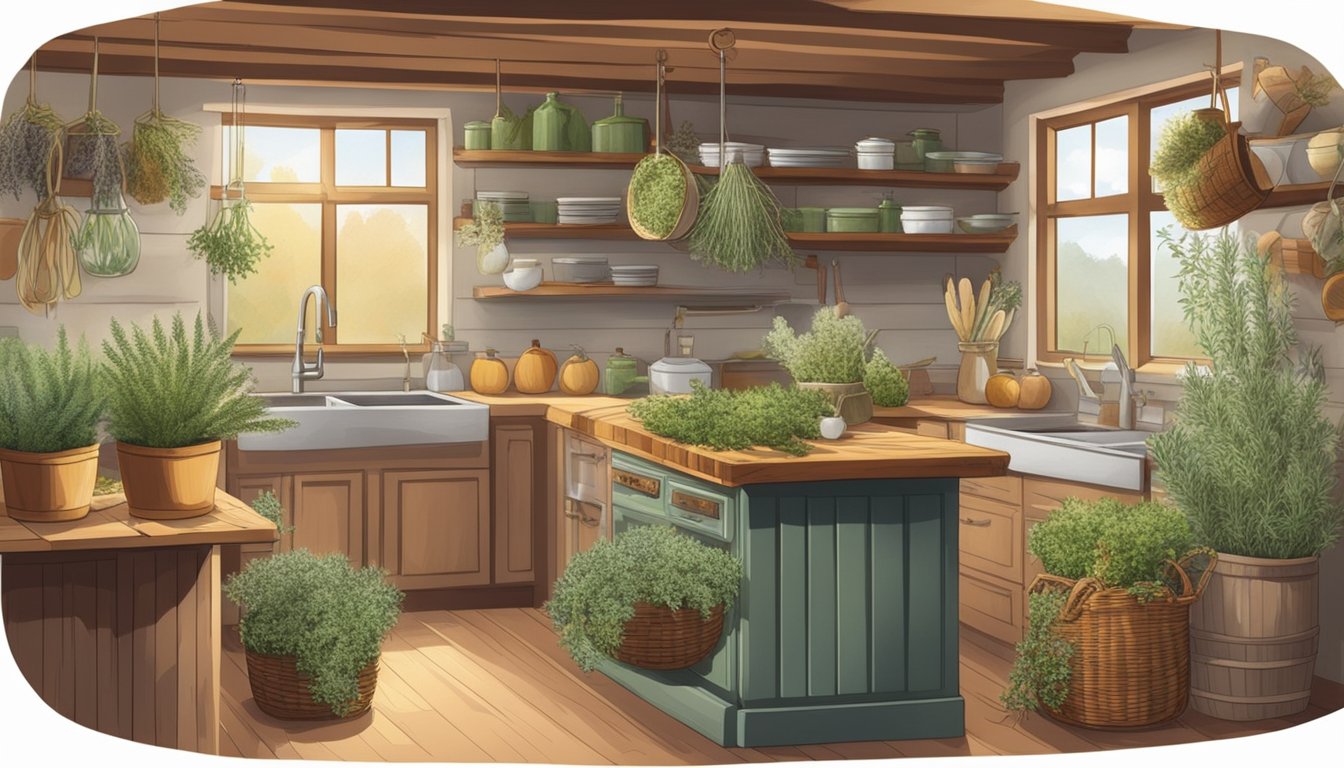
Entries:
{"x":658,"y":637}
{"x":1254,"y":638}
{"x":281,"y":691}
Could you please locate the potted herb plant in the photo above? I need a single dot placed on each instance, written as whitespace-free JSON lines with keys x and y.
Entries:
{"x":651,"y":597}
{"x":831,"y":357}
{"x":1112,"y":571}
{"x":486,"y":232}
{"x":312,"y":629}
{"x":1250,"y":459}
{"x":171,"y":401}
{"x":50,"y":404}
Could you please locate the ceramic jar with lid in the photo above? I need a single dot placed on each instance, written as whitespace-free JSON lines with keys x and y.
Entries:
{"x":925,"y":140}
{"x":852,"y":220}
{"x":620,"y":373}
{"x":620,"y":132}
{"x":876,"y":154}
{"x":889,"y":216}
{"x":476,"y":135}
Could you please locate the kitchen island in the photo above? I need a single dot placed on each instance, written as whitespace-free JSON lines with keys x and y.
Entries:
{"x":846,"y":625}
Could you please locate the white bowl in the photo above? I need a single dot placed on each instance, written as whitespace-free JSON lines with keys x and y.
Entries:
{"x":872,"y":161}
{"x":926,"y":212}
{"x":523,"y":279}
{"x":926,"y":226}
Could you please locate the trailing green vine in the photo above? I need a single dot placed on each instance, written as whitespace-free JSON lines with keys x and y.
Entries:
{"x":1041,"y":673}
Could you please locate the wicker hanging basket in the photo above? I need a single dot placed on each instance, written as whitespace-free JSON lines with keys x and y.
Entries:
{"x":658,"y":637}
{"x":1131,"y":661}
{"x":1229,"y":182}
{"x":281,"y":691}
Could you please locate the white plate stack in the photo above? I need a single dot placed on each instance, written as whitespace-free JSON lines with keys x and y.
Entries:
{"x":588,"y":210}
{"x":752,"y":154}
{"x":514,"y":205}
{"x":635,"y":276}
{"x":810,"y":157}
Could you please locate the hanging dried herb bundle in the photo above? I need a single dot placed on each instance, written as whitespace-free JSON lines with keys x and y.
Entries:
{"x":230,"y":245}
{"x":158,"y":167}
{"x":94,"y":154}
{"x":26,"y":138}
{"x":738,"y":228}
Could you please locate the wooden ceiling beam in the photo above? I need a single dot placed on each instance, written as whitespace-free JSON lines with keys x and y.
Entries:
{"x":72,"y":56}
{"x":1084,"y":36}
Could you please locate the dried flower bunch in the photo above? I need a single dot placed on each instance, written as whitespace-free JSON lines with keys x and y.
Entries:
{"x":158,"y":167}
{"x":26,"y":140}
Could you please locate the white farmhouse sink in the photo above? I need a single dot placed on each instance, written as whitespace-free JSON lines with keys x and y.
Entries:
{"x":368,"y":419}
{"x":1058,"y":446}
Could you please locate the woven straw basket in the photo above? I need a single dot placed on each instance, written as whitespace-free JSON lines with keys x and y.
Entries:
{"x":658,"y":637}
{"x":1131,"y":661}
{"x":690,"y":207}
{"x":280,"y":691}
{"x":1228,"y":187}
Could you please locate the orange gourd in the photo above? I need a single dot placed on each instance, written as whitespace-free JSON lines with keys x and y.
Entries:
{"x":535,"y":370}
{"x":580,"y":374}
{"x":1036,"y":391}
{"x":1002,"y":390}
{"x":489,"y":374}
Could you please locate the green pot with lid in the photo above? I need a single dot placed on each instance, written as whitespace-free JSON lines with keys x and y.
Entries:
{"x":476,"y":135}
{"x":559,"y":127}
{"x":620,"y":132}
{"x":620,"y":373}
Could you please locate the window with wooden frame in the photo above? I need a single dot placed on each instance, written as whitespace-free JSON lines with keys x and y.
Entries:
{"x":1100,"y":263}
{"x":348,"y":204}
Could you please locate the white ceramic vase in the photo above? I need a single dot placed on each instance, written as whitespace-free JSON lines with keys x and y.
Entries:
{"x":832,"y":427}
{"x":493,"y":262}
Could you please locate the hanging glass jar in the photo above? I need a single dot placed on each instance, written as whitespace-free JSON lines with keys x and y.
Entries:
{"x":108,"y":241}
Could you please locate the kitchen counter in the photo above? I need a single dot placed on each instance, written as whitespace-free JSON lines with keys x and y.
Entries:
{"x":867,"y":451}
{"x":947,"y":408}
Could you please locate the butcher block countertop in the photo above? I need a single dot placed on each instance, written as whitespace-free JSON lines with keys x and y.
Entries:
{"x":866,"y":452}
{"x":109,"y":525}
{"x":946,"y":408}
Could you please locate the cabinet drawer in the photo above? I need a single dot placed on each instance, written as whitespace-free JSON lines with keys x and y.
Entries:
{"x":1006,"y":489}
{"x":1047,"y":494}
{"x":991,"y":605}
{"x":932,"y":428}
{"x":991,"y":537}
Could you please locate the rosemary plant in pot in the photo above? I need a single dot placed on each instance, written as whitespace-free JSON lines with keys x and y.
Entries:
{"x":1250,"y":459}
{"x":172,"y":399}
{"x":831,"y":357}
{"x":50,"y":404}
{"x":312,"y":629}
{"x":651,"y":597}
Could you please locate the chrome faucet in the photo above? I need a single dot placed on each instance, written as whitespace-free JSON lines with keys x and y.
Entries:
{"x":1122,"y":395}
{"x":301,"y":371}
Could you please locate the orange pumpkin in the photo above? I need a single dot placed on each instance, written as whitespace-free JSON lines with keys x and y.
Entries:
{"x":535,"y":371}
{"x":1002,"y":390}
{"x":580,"y":374}
{"x":1036,"y":391}
{"x":489,"y":374}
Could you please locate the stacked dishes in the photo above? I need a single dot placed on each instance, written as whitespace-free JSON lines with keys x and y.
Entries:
{"x":580,"y":269}
{"x":514,"y":205}
{"x":927,"y":219}
{"x":968,"y":162}
{"x":876,"y":154}
{"x":809,"y":157}
{"x":635,"y":276}
{"x":588,"y":210}
{"x":752,"y":154}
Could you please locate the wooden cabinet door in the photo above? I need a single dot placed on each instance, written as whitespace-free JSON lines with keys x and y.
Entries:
{"x":249,"y":488}
{"x":328,"y":513}
{"x":515,"y":498}
{"x":436,"y":528}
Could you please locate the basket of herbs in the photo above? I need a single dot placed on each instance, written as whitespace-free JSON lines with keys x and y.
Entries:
{"x":663,"y":198}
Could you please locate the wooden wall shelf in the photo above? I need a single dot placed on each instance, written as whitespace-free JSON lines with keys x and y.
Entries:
{"x":550,"y":290}
{"x":1290,"y":195}
{"x":492,"y":158}
{"x":822,"y":241}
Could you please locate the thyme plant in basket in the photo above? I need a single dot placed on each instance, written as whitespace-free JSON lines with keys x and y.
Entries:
{"x":596,"y":595}
{"x":169,"y":390}
{"x":329,"y":616}
{"x":1250,"y":456}
{"x":1184,"y":140}
{"x":834,"y":351}
{"x":50,"y":400}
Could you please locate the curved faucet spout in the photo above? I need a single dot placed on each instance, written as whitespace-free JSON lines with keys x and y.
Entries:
{"x":301,"y":371}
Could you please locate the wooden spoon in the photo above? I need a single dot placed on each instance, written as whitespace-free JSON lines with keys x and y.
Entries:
{"x":841,"y":306}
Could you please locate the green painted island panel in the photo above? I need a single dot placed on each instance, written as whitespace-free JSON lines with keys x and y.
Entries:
{"x":819,"y":600}
{"x":852,"y":596}
{"x":887,"y":577}
{"x":793,"y":618}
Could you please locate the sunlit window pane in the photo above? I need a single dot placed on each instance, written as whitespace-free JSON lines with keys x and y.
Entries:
{"x":1171,"y":337}
{"x":1073,"y":163}
{"x":361,"y":158}
{"x":264,"y":305}
{"x":276,"y":154}
{"x":408,"y":158}
{"x":1092,"y":282}
{"x":382,"y":257}
{"x":1113,"y":156}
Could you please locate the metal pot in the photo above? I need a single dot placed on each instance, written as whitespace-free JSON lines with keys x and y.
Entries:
{"x":673,"y":375}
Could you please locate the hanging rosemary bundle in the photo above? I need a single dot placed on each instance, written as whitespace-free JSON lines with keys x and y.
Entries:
{"x":738,"y":228}
{"x":158,"y":167}
{"x":26,"y":138}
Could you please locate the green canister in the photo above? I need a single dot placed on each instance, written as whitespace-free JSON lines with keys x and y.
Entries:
{"x":620,"y":373}
{"x":620,"y":132}
{"x":926,"y":140}
{"x":889,"y":216}
{"x":548,"y":125}
{"x":476,"y":135}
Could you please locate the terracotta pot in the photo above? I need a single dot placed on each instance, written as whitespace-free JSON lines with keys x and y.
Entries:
{"x":169,"y":483}
{"x":1254,"y":638}
{"x":49,"y":487}
{"x":280,"y":690}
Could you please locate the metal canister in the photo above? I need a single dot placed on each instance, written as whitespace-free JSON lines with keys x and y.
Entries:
{"x":476,"y":135}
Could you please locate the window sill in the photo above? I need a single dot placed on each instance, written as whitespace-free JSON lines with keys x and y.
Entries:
{"x":345,"y":351}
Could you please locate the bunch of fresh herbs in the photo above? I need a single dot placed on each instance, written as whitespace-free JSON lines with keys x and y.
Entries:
{"x":657,"y":194}
{"x":738,"y":228}
{"x":1250,"y":457}
{"x":50,"y":400}
{"x":885,"y":382}
{"x":834,"y":351}
{"x":230,"y":244}
{"x":596,"y":595}
{"x":158,"y":167}
{"x":329,"y":616}
{"x":486,"y":228}
{"x":267,"y":504}
{"x":95,"y":155}
{"x":1041,"y":673}
{"x":727,"y":420}
{"x":1184,"y":140}
{"x":169,"y":391}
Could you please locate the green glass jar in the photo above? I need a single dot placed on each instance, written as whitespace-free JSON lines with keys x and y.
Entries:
{"x":889,"y":216}
{"x":476,"y":135}
{"x":926,"y":140}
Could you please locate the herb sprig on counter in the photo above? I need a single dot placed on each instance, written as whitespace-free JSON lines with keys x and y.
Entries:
{"x":730,"y":420}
